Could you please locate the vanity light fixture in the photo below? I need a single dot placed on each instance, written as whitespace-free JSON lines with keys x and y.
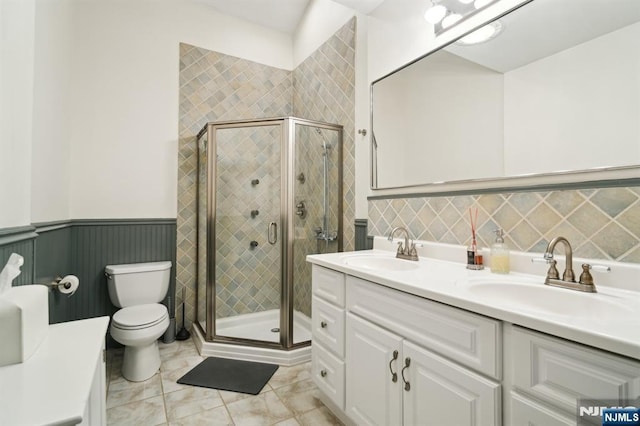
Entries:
{"x":435,"y":13}
{"x":479,"y":4}
{"x":445,"y":14}
{"x":482,"y":34}
{"x":450,"y":20}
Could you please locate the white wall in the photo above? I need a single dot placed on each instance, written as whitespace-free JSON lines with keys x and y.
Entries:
{"x":125,"y":97}
{"x":50,"y":198}
{"x":16,"y":102}
{"x":363,"y":119}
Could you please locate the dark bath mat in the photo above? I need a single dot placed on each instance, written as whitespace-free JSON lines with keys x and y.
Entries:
{"x":230,"y":375}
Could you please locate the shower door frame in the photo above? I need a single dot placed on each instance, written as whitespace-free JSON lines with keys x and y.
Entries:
{"x":287,"y":233}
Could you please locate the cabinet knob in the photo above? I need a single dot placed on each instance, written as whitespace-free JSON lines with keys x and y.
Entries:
{"x":323,"y":324}
{"x":323,"y":373}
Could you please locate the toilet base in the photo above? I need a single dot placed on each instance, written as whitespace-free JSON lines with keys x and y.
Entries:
{"x":141,"y":362}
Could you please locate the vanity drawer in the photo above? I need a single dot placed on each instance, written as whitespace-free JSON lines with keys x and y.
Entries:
{"x":327,"y":325}
{"x":328,"y":285}
{"x":561,"y":372}
{"x":524,"y":411}
{"x":328,"y":374}
{"x":470,"y":339}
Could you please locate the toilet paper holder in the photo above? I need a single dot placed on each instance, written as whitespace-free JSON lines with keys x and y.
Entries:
{"x":57,"y":283}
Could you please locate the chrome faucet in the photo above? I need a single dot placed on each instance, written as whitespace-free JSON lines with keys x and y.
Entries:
{"x":407,"y":252}
{"x":568,"y":277}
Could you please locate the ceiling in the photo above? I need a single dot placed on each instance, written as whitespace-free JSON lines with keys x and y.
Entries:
{"x":281,"y":15}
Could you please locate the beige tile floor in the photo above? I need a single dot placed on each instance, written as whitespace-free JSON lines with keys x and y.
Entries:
{"x":290,"y":397}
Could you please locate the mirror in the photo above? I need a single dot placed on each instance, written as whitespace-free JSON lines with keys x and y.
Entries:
{"x":556,"y":91}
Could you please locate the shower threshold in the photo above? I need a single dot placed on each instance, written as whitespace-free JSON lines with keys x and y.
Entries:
{"x":257,"y":326}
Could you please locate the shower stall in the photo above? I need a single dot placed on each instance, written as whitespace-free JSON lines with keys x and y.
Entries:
{"x":269,"y":193}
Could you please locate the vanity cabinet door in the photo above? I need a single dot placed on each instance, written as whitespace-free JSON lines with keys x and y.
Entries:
{"x":559,"y":372}
{"x":373,"y":398}
{"x":443,"y":393}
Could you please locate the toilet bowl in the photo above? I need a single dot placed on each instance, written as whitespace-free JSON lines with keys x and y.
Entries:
{"x":137,"y":288}
{"x":138,"y":329}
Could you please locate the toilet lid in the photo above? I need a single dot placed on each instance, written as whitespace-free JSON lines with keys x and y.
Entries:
{"x":140,"y":316}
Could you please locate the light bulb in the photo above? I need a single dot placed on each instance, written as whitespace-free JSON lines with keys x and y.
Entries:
{"x":450,"y":20}
{"x":434,"y":14}
{"x":479,"y":4}
{"x":481,"y":35}
{"x":465,"y":1}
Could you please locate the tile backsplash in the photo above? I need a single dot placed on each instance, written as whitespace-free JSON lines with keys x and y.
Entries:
{"x":600,"y":223}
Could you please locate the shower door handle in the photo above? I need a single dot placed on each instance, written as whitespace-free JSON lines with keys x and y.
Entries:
{"x":272,"y":233}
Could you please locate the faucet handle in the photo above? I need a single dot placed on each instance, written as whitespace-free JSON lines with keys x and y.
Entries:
{"x":585,"y":276}
{"x":553,"y":273}
{"x":400,"y":248}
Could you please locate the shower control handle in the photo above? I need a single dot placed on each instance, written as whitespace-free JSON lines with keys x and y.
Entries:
{"x":253,"y":244}
{"x":272,"y":233}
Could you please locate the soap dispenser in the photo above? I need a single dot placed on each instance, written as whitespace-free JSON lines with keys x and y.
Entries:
{"x":500,"y":263}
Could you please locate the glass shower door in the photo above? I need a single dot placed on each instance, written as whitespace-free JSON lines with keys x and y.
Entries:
{"x":316,"y":219}
{"x":247,"y":221}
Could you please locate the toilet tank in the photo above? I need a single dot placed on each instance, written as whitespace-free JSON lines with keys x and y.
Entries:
{"x":138,"y":283}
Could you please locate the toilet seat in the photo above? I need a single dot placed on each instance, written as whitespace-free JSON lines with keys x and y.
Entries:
{"x":140,"y":316}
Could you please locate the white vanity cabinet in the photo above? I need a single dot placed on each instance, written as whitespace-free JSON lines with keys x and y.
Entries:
{"x":394,"y":376}
{"x":413,"y":348}
{"x":558,"y":373}
{"x":327,"y":333}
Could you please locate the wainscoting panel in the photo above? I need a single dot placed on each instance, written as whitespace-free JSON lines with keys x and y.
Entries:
{"x":53,"y":259}
{"x":83,"y":248}
{"x":96,"y":244}
{"x":362,"y":241}
{"x":21,"y":241}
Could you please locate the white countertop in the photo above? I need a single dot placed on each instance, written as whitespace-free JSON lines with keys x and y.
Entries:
{"x":52,"y":387}
{"x":615,"y":330}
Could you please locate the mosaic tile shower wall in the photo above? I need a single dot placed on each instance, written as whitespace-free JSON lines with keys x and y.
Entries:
{"x":324,"y":90}
{"x":215,"y":87}
{"x":599,"y":223}
{"x":310,"y":190}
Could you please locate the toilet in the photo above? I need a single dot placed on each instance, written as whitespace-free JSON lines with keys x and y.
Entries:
{"x":138,"y":288}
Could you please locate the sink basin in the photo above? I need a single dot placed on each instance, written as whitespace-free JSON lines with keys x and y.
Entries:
{"x":549,"y":300}
{"x":380,"y":263}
